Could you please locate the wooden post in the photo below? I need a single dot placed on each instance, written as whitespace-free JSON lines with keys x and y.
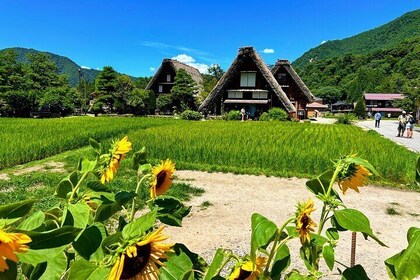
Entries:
{"x":353,"y":249}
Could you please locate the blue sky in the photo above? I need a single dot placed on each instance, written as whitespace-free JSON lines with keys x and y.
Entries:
{"x":134,"y":36}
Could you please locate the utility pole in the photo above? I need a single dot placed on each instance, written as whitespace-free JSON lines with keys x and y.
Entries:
{"x":84,"y":90}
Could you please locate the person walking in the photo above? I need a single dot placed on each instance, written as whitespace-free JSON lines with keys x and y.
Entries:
{"x":401,"y":124}
{"x":378,"y":117}
{"x":243,"y":114}
{"x":410,"y":124}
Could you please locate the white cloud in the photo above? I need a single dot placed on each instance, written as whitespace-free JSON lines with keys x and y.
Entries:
{"x":97,"y":68}
{"x":184,"y":58}
{"x":152,"y":69}
{"x":189,"y":60}
{"x":85,"y":67}
{"x":268,"y":51}
{"x":323,"y":42}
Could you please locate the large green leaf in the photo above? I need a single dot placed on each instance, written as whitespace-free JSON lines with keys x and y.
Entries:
{"x":406,"y":264}
{"x":281,"y":262}
{"x":97,"y":186}
{"x":53,"y":238}
{"x":17,"y":209}
{"x":139,"y":225}
{"x":35,"y":257}
{"x":76,"y":215}
{"x":199,"y":264}
{"x":170,"y":210}
{"x":86,"y":165}
{"x":89,"y":240}
{"x":95,"y":145}
{"x":216,"y":264}
{"x":111,"y":242}
{"x":110,"y":207}
{"x":319,"y":185}
{"x":354,"y":220}
{"x":328,"y":254}
{"x":33,"y":222}
{"x":262,"y":233}
{"x":332,"y":234}
{"x":55,"y":267}
{"x":84,"y":270}
{"x":63,"y":188}
{"x":177,"y":267}
{"x":355,"y":273}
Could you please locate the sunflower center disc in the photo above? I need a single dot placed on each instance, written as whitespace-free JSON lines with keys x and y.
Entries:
{"x":133,"y":266}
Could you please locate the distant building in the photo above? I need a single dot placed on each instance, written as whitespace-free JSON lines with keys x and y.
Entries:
{"x":250,"y":84}
{"x":164,"y":78}
{"x":316,"y":109}
{"x":382,"y":102}
{"x":342,"y":107}
{"x":295,"y":89}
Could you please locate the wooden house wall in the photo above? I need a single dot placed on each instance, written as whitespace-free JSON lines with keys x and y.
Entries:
{"x":166,"y":69}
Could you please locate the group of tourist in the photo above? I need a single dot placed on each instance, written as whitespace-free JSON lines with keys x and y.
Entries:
{"x":406,"y":122}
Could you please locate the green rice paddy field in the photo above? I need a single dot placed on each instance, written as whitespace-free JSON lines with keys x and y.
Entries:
{"x":270,"y":148}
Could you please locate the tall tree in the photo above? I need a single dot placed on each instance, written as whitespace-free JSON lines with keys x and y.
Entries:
{"x":330,"y":94}
{"x":106,"y":81}
{"x":183,"y":91}
{"x":360,"y":108}
{"x":11,"y":71}
{"x":216,"y":71}
{"x":42,"y":72}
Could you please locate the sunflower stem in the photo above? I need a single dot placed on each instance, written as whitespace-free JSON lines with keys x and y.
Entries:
{"x":276,"y":240}
{"x":133,"y":205}
{"x":325,"y":211}
{"x":76,"y":188}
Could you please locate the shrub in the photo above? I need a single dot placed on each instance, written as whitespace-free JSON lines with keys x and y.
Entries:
{"x":233,"y":115}
{"x":264,"y":117}
{"x":191,"y":115}
{"x":345,"y":119}
{"x":274,"y":114}
{"x":164,"y":103}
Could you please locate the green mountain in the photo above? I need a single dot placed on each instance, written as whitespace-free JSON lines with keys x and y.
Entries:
{"x":65,"y":66}
{"x":383,"y":37}
{"x":396,"y":69}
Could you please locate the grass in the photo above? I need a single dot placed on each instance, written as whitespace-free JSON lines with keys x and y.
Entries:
{"x":272,"y":148}
{"x":206,"y":204}
{"x":25,"y":140}
{"x":41,"y":184}
{"x":392,"y":211}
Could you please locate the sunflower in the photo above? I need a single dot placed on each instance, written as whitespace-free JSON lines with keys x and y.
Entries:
{"x":352,"y":177}
{"x":248,"y":270}
{"x":117,"y":154}
{"x":139,"y":260}
{"x":9,"y":244}
{"x":304,"y":223}
{"x":162,"y":178}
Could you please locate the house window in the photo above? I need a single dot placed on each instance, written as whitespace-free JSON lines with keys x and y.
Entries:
{"x":248,"y":79}
{"x":282,"y":78}
{"x":160,"y":89}
{"x":235,"y":94}
{"x":259,"y":95}
{"x":168,"y":77}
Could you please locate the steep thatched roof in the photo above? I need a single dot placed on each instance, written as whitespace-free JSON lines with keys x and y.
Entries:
{"x":176,"y":65}
{"x":285,"y":64}
{"x":236,"y":67}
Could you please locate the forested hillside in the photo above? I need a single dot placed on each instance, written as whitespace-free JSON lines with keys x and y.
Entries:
{"x":396,"y":69}
{"x":386,"y":36}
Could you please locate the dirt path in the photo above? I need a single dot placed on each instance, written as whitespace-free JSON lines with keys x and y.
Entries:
{"x":234,"y":198}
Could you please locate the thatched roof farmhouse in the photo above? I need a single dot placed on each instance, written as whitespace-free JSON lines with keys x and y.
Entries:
{"x":250,"y":84}
{"x":163,"y":80}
